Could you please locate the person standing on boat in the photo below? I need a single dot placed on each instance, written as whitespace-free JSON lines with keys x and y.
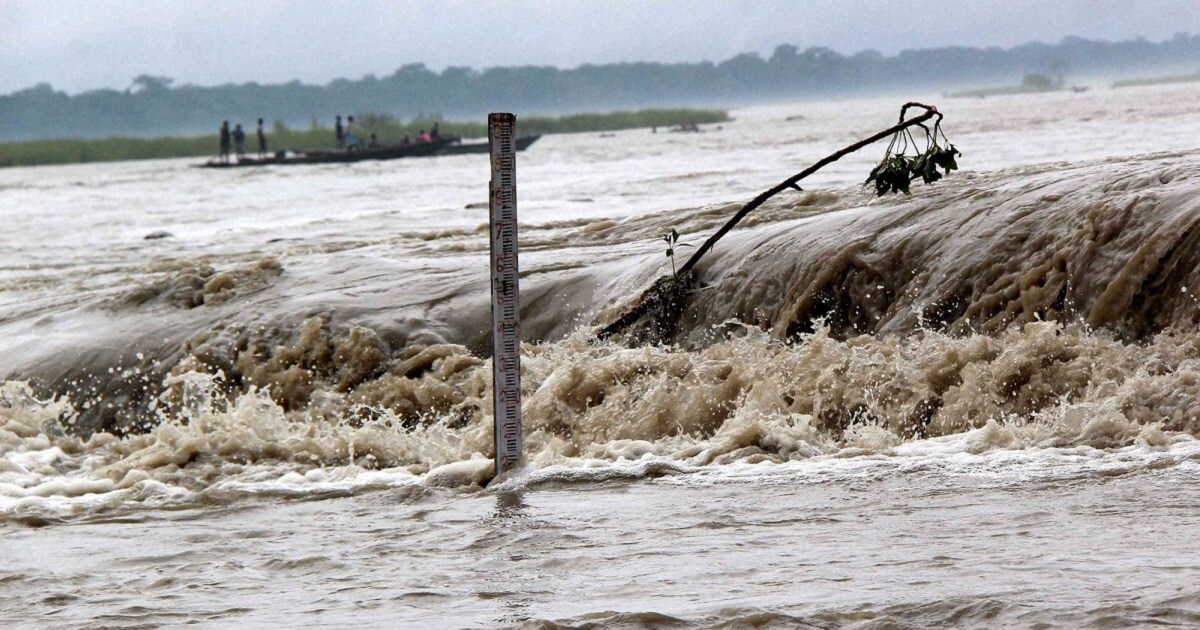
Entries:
{"x":239,"y":141}
{"x":262,"y":140}
{"x":339,"y":132}
{"x":351,"y":139}
{"x":433,"y":133}
{"x":225,"y":142}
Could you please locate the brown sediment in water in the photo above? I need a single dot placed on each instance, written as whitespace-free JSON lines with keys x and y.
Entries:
{"x":1111,"y":245}
{"x":749,"y":398}
{"x":201,"y":284}
{"x":921,"y":316}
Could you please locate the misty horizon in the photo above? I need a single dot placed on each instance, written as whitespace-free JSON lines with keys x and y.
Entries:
{"x":104,"y":45}
{"x":138,"y":80}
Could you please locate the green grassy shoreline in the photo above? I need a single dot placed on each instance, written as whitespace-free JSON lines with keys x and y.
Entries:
{"x":279,"y":137}
{"x":1159,"y":80}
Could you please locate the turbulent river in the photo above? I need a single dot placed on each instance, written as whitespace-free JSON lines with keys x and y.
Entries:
{"x":978,"y":405}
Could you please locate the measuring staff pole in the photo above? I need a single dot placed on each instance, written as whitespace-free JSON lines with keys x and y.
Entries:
{"x":506,"y":329}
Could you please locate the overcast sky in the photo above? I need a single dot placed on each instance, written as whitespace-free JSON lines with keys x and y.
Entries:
{"x":84,"y":44}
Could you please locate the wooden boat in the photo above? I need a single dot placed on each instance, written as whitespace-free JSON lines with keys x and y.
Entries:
{"x":482,"y":147}
{"x":442,"y":146}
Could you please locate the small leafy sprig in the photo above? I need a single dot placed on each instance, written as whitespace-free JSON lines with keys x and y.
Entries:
{"x":896,"y":172}
{"x":672,"y":241}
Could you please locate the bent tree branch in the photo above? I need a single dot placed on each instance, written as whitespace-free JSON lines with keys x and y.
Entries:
{"x":653,"y":299}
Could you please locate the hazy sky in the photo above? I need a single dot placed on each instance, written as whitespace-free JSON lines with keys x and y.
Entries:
{"x":84,"y":44}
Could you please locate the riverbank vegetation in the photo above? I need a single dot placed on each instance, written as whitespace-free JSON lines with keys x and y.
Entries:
{"x":1160,"y":80}
{"x":154,"y":106}
{"x":388,"y":129}
{"x":1030,"y":84}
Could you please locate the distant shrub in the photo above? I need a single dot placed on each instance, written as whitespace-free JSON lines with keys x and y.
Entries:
{"x":1037,"y":81}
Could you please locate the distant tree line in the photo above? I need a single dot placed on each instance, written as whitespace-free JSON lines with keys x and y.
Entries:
{"x":154,"y":106}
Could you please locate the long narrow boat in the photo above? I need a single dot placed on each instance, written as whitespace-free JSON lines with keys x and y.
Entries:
{"x":482,"y":147}
{"x":446,"y":146}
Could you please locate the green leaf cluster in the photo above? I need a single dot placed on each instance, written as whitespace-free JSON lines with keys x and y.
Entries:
{"x":927,"y":164}
{"x":896,"y":172}
{"x":672,"y":241}
{"x":892,"y":174}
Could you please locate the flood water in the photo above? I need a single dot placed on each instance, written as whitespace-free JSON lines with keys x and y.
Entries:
{"x":975,"y":406}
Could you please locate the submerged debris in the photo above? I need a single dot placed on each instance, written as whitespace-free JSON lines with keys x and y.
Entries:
{"x":894,"y":174}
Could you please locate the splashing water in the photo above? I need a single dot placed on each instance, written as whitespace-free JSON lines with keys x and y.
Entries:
{"x":918,"y":411}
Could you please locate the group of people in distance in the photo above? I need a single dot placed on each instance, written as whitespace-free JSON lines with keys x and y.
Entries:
{"x":346,"y":140}
{"x":237,"y":138}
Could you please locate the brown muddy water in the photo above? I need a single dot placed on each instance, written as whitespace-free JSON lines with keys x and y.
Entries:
{"x":975,"y":406}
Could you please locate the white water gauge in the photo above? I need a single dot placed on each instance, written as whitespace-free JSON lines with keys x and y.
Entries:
{"x":506,"y":329}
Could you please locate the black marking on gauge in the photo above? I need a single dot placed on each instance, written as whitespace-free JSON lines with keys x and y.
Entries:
{"x":506,"y":327}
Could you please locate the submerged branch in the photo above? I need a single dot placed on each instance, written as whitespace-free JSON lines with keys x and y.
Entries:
{"x":649,"y":303}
